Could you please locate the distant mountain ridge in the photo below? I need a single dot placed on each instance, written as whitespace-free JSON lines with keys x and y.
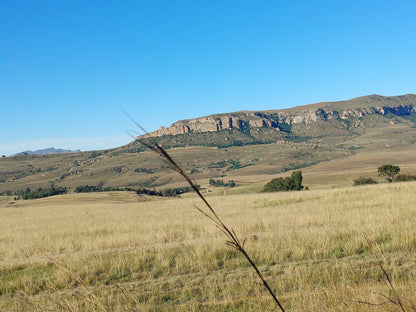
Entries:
{"x":50,"y":150}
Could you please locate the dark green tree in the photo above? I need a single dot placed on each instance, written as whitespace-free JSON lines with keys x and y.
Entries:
{"x":292,"y":183}
{"x":275,"y":185}
{"x":297,"y":180}
{"x":388,"y":172}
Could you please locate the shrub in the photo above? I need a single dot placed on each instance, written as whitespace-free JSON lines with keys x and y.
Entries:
{"x":364,"y":180}
{"x":404,"y":177}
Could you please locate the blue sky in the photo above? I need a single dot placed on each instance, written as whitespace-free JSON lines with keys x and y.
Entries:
{"x":67,"y":66}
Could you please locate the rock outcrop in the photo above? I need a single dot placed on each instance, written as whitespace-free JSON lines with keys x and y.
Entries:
{"x":238,"y":121}
{"x":278,"y":118}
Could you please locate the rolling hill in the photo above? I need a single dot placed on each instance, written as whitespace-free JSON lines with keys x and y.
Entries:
{"x":332,"y":142}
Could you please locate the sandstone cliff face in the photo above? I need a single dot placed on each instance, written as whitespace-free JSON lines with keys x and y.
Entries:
{"x":245,"y":120}
{"x":239,"y":121}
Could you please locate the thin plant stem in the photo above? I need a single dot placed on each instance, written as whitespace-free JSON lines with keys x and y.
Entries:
{"x":382,"y":263}
{"x":210,"y":213}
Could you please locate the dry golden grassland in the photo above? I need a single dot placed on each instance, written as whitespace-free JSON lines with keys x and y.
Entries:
{"x":121,"y":252}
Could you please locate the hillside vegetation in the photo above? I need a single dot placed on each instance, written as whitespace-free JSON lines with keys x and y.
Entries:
{"x":264,"y":145}
{"x":121,"y":252}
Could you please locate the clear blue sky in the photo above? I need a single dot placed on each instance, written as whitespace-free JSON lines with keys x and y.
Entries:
{"x":67,"y":66}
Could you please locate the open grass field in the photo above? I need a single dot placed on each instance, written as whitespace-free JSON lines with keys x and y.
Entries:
{"x":117,"y":251}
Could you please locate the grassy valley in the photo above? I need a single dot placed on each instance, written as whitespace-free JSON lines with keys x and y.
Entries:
{"x":120,"y":252}
{"x":123,"y":251}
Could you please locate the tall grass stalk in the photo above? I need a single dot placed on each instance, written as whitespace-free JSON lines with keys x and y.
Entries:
{"x":209,"y":212}
{"x":382,"y":263}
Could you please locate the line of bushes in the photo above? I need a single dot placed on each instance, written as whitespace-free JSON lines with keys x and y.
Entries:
{"x":40,"y":192}
{"x":51,"y":191}
{"x":99,"y":188}
{"x":170,"y":192}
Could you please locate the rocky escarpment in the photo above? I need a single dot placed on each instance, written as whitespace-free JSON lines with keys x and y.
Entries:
{"x":280,"y":119}
{"x":238,"y":121}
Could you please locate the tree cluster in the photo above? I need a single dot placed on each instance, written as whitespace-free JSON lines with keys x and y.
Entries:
{"x":40,"y":192}
{"x":170,"y":192}
{"x":221,"y":183}
{"x":88,"y":189}
{"x":292,"y":183}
